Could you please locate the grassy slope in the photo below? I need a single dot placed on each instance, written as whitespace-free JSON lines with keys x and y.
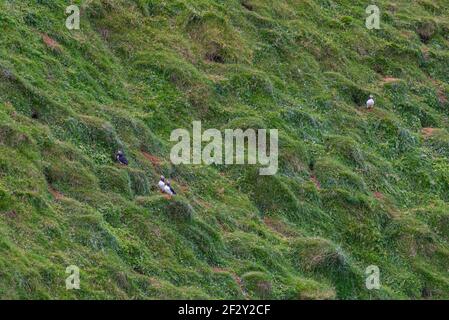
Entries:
{"x":138,"y":69}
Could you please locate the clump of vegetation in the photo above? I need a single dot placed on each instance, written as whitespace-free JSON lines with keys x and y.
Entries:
{"x":316,"y":253}
{"x":258,"y":284}
{"x":180,"y":209}
{"x":308,"y":289}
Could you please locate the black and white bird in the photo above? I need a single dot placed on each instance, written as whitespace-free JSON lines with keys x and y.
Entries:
{"x":161,"y":184}
{"x":120,"y":157}
{"x":370,"y":102}
{"x":168,"y":189}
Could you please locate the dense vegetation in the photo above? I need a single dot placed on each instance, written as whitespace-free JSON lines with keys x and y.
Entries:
{"x":354,"y":188}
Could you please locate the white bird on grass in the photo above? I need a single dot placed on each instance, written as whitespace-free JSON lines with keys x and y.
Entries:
{"x":370,"y":102}
{"x":161,"y":184}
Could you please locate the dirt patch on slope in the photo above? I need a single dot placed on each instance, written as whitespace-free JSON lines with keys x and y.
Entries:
{"x":10,"y":214}
{"x":428,"y":132}
{"x":378,"y":195}
{"x":390,"y":80}
{"x":55,"y":193}
{"x":316,"y":182}
{"x":155,"y":161}
{"x":51,"y":43}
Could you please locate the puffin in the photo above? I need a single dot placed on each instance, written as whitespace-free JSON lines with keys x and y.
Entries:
{"x":370,"y":102}
{"x":121,"y":158}
{"x":161,"y":184}
{"x":168,"y":189}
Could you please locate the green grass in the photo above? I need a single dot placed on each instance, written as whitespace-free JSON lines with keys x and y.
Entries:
{"x":354,"y":188}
